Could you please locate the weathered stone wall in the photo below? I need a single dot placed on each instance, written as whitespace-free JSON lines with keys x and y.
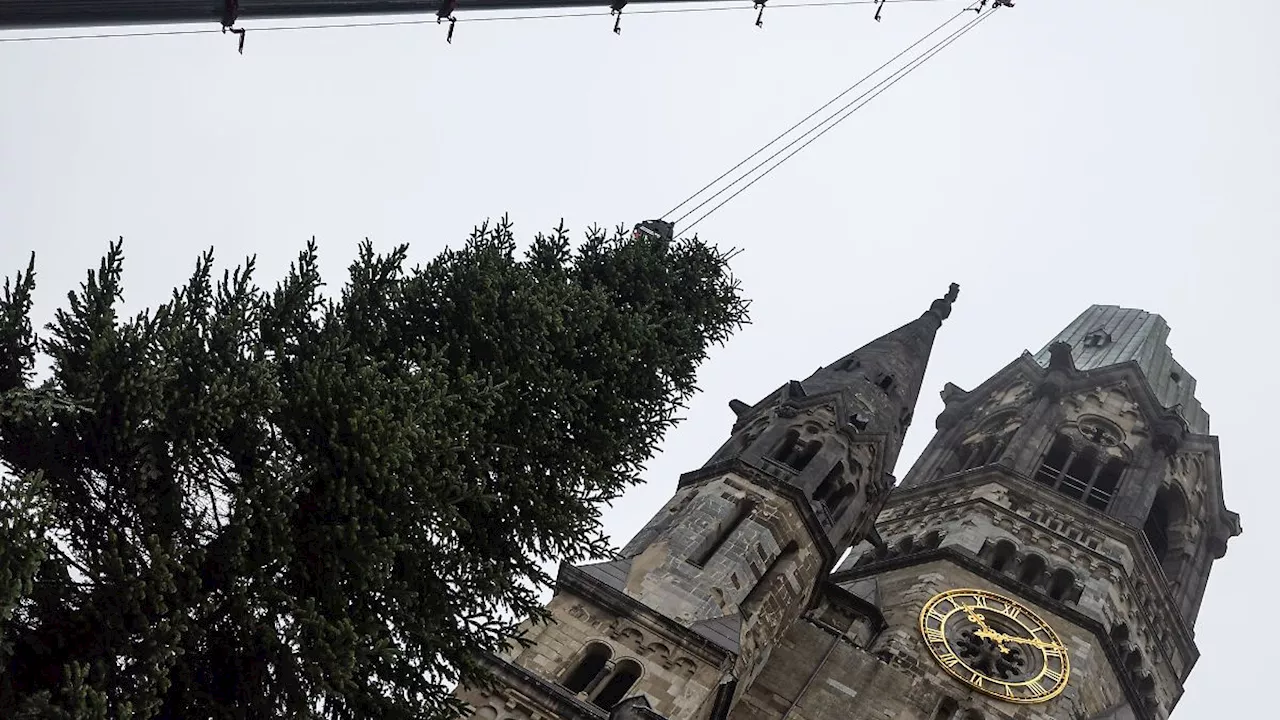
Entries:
{"x":678,"y":677}
{"x":1113,"y":578}
{"x":896,"y":678}
{"x":663,"y":574}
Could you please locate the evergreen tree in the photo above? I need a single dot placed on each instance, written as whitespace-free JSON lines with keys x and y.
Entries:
{"x":250,"y":504}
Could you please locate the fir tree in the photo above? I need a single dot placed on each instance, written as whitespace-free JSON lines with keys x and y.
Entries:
{"x":251,"y":504}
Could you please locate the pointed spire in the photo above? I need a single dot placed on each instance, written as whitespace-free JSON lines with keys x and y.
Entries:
{"x":885,"y":374}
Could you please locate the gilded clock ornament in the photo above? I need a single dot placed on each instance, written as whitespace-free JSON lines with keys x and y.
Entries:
{"x":996,"y":645}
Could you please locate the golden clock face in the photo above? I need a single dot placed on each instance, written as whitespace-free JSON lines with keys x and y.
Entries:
{"x":996,"y":645}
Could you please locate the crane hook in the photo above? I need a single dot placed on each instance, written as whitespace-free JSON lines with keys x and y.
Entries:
{"x":616,"y":9}
{"x":446,"y":13}
{"x":231,"y":13}
{"x":760,"y":17}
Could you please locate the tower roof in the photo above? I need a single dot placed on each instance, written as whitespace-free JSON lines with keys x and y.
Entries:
{"x":904,"y":352}
{"x":895,"y":362}
{"x":1110,"y":335}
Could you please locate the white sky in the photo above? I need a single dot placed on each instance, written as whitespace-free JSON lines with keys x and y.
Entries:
{"x":1065,"y":153}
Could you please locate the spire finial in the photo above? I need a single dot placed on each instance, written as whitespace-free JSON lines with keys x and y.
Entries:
{"x":942,"y":306}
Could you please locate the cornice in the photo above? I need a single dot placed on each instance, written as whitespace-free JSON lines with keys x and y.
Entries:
{"x":551,"y":696}
{"x":578,"y":582}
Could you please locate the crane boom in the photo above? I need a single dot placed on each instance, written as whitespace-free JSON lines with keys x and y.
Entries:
{"x":15,"y":14}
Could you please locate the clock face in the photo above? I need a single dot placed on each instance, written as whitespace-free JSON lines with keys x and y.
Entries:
{"x":996,"y":645}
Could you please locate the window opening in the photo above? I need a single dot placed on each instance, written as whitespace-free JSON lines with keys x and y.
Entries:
{"x":983,"y":452}
{"x":840,"y":502}
{"x":1031,"y":570}
{"x":614,"y":691}
{"x":1156,"y":528}
{"x":1002,"y":559}
{"x":722,"y":531}
{"x":885,"y":383}
{"x":1075,"y":481}
{"x":783,"y":451}
{"x":906,"y":545}
{"x":829,"y":484}
{"x":796,"y":454}
{"x":587,"y":668}
{"x":1061,"y":584}
{"x":946,"y":709}
{"x":1097,"y":338}
{"x":1081,"y":475}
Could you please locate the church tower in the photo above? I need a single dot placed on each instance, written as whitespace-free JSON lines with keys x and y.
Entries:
{"x":691,"y":614}
{"x":1044,"y":559}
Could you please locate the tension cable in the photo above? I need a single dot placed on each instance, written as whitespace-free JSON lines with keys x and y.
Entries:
{"x":811,"y":115}
{"x":848,"y":109}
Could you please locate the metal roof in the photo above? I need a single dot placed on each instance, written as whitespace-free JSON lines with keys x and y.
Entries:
{"x":1109,"y":335}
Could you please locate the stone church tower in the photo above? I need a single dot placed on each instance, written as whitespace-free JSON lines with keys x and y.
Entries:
{"x":1044,"y":559}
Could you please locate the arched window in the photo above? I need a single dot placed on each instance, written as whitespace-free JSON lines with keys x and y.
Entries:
{"x":932,"y":540}
{"x":1133,"y":659}
{"x":1031,"y":570}
{"x":1061,"y":583}
{"x":841,"y":500}
{"x":1002,"y":558}
{"x":620,"y":682}
{"x":1080,"y":473}
{"x":589,"y":665}
{"x":796,"y":454}
{"x":972,"y":714}
{"x":905,"y":546}
{"x":1168,"y":511}
{"x":984,"y":452}
{"x":1075,"y":481}
{"x":829,"y":484}
{"x":788,"y":443}
{"x":885,"y":382}
{"x":946,"y":709}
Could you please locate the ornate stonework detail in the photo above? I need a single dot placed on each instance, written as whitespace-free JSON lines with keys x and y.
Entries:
{"x":1099,"y":431}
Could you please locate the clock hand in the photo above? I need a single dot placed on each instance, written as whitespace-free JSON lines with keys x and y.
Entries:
{"x":1002,"y":638}
{"x":995,"y":637}
{"x":976,"y":618}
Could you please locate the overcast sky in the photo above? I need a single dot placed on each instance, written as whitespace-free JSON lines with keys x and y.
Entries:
{"x":1067,"y":152}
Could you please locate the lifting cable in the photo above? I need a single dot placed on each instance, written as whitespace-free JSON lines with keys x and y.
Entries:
{"x":433,"y":20}
{"x":834,"y":118}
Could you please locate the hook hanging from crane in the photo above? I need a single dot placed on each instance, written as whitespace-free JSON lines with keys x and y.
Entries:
{"x":879,"y":9}
{"x":616,"y":9}
{"x":760,"y":17}
{"x":231,"y":13}
{"x":446,"y":13}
